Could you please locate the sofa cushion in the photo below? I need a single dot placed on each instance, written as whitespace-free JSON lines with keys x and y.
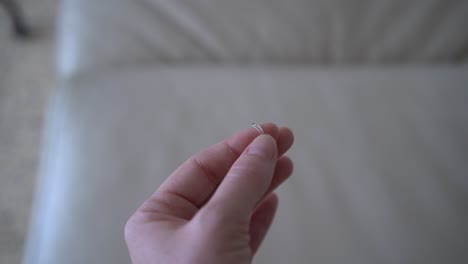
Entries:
{"x":380,"y":159}
{"x":119,"y":33}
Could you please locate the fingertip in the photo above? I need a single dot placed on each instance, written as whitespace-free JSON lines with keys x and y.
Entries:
{"x":239,"y":141}
{"x":285,"y":139}
{"x":263,"y":146}
{"x":288,"y":131}
{"x":273,"y":198}
{"x":270,"y":129}
{"x":283,"y":170}
{"x":286,"y":164}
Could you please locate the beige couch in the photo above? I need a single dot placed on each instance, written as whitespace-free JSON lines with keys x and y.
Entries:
{"x":376,"y":92}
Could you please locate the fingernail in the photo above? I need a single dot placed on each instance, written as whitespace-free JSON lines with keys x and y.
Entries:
{"x":264,"y":146}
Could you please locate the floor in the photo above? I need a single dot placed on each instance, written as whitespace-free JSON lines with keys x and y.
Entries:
{"x":26,"y":82}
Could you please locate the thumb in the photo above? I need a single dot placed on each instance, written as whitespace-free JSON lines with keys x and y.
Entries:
{"x":248,"y":179}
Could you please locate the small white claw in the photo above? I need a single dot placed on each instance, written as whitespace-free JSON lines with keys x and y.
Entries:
{"x":258,"y":128}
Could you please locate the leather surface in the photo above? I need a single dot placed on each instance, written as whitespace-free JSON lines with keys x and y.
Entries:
{"x":380,"y":158}
{"x":98,"y":35}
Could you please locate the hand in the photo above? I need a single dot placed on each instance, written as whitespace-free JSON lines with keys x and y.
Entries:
{"x":217,"y":206}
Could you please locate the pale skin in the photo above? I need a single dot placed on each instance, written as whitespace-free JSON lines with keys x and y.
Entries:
{"x":217,"y":206}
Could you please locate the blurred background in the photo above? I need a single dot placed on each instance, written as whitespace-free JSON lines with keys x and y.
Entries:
{"x":27,"y":79}
{"x":71,"y":43}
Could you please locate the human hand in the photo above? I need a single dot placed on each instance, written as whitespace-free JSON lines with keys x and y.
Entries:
{"x":217,"y":206}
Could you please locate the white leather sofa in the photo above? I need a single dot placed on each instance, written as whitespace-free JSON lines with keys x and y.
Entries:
{"x":375,"y":91}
